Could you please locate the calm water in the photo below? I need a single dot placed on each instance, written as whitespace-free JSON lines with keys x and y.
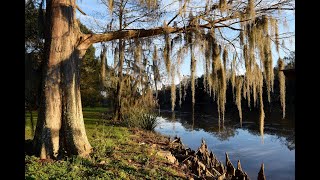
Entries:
{"x":275,"y":148}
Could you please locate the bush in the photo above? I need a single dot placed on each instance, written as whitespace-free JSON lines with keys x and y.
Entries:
{"x":148,"y":122}
{"x":141,"y":118}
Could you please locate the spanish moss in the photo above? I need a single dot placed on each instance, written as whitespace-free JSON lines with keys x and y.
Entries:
{"x":173,"y":88}
{"x":239,"y":82}
{"x":225,"y":58}
{"x":193,"y":69}
{"x":219,"y":80}
{"x":262,"y":116}
{"x":250,"y":9}
{"x":111,"y":4}
{"x":155,"y":67}
{"x":137,"y":52}
{"x":233,"y":74}
{"x":166,"y":53}
{"x":276,"y":35}
{"x":223,"y":5}
{"x":116,"y":57}
{"x":282,"y":84}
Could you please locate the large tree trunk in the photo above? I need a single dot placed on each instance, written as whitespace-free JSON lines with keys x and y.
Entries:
{"x":60,"y":125}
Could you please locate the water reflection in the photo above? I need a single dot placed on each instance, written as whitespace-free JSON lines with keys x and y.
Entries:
{"x":195,"y":121}
{"x":276,"y":150}
{"x":261,"y":124}
{"x":192,"y":116}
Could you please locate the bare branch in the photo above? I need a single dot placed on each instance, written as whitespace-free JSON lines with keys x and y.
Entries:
{"x":185,"y":3}
{"x":276,"y":8}
{"x":228,"y":26}
{"x":80,"y":10}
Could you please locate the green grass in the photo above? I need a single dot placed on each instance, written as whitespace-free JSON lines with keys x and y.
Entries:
{"x":117,"y":155}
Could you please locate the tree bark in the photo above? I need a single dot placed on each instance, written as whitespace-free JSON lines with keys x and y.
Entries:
{"x":118,"y":110}
{"x":60,"y":126}
{"x":103,"y":67}
{"x":119,"y":85}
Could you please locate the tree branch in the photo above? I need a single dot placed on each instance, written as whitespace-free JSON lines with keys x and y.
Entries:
{"x":185,"y":3}
{"x":228,"y":26}
{"x":135,"y":33}
{"x":80,"y":10}
{"x":276,"y":8}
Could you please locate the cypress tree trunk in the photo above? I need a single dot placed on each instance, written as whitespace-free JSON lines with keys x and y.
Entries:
{"x":60,"y":126}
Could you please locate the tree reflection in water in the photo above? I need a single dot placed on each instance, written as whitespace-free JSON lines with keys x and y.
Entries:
{"x":283,"y":129}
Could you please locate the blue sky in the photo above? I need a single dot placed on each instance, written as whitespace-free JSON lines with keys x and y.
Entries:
{"x":98,"y":16}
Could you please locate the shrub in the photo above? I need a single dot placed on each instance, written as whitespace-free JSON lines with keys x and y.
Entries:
{"x":148,"y":122}
{"x":141,"y":118}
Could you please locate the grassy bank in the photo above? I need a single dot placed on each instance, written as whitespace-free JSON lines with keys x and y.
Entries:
{"x":119,"y":153}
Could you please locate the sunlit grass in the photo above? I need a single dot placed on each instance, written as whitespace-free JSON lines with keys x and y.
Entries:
{"x":117,"y":154}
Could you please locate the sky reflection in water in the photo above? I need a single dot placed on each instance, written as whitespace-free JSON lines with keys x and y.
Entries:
{"x":276,"y":150}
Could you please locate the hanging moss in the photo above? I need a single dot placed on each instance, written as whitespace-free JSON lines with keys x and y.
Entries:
{"x":239,"y":82}
{"x":166,"y":53}
{"x":155,"y":54}
{"x":255,"y":82}
{"x":282,"y":84}
{"x":137,"y":52}
{"x":208,"y":52}
{"x":248,"y":58}
{"x":110,"y":4}
{"x":183,"y":12}
{"x":250,"y":9}
{"x":285,"y":24}
{"x":261,"y":109}
{"x":178,"y":69}
{"x":215,"y":65}
{"x":185,"y":87}
{"x":223,"y":5}
{"x":219,"y":80}
{"x":173,"y":88}
{"x":258,"y":35}
{"x":155,"y":64}
{"x":222,"y":93}
{"x":246,"y":89}
{"x":150,"y":4}
{"x":197,"y":42}
{"x":265,"y":24}
{"x":276,"y":35}
{"x":180,"y":94}
{"x":268,"y":69}
{"x":115,"y":57}
{"x":225,"y":58}
{"x":193,"y":69}
{"x":233,"y":74}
